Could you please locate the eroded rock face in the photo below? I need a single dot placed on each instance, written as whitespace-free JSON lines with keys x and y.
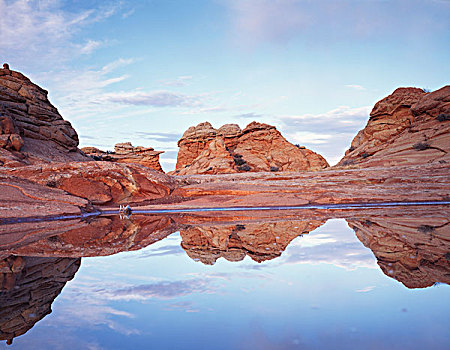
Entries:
{"x":31,"y":129}
{"x":28,"y":287}
{"x":259,"y":147}
{"x":127,"y":153}
{"x":413,"y":250}
{"x":260,"y":241}
{"x":409,"y":126}
{"x":100,"y":182}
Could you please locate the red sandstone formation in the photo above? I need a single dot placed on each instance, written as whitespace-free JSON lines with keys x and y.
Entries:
{"x":28,"y":287}
{"x":261,"y":240}
{"x":126,"y":153}
{"x":100,"y":182}
{"x":259,"y":147}
{"x":408,"y":127}
{"x":31,"y":129}
{"x":413,"y":250}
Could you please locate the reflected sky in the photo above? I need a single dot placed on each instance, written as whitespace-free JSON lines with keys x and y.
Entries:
{"x":325,"y":289}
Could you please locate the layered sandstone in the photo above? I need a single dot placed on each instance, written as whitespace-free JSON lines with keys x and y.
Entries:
{"x":28,"y":287}
{"x":257,"y":148}
{"x":409,"y":126}
{"x":127,"y":153}
{"x":99,"y":182}
{"x":414,"y":250}
{"x":31,"y":129}
{"x":260,"y":241}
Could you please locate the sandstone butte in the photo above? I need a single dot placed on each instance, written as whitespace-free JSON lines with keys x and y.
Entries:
{"x":126,"y":153}
{"x":259,"y":147}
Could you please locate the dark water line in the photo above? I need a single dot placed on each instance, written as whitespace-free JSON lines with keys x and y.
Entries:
{"x":309,"y":206}
{"x":347,"y":206}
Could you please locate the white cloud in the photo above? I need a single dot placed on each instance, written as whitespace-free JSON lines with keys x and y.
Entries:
{"x":355,"y":87}
{"x":44,"y":29}
{"x":329,"y":133}
{"x":153,"y":98}
{"x":180,"y":81}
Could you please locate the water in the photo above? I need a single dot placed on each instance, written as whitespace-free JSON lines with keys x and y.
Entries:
{"x":374,"y":279}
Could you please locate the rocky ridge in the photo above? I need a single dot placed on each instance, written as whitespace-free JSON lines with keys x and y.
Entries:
{"x":127,"y":153}
{"x":408,"y":127}
{"x":259,"y":147}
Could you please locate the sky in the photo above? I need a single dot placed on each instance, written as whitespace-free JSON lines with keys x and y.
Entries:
{"x":144,"y":71}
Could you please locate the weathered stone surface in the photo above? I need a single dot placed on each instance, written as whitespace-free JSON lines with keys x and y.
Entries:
{"x":260,"y":241}
{"x":259,"y":147}
{"x":32,"y":124}
{"x":407,"y":127}
{"x":23,"y":198}
{"x":411,"y":249}
{"x":100,"y":182}
{"x":27,"y":290}
{"x":126,"y":153}
{"x":429,"y":182}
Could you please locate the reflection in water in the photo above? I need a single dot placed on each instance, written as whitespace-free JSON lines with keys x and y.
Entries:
{"x":412,"y":247}
{"x":28,"y":286}
{"x":260,"y":241}
{"x":413,"y":250}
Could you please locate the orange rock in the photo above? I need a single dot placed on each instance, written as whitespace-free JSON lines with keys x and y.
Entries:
{"x":33,"y":123}
{"x":409,"y":126}
{"x":126,"y":153}
{"x":259,"y":147}
{"x":100,"y":182}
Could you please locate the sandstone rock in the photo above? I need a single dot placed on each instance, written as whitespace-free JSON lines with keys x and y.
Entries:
{"x":28,"y":290}
{"x":411,"y":249}
{"x":259,"y":147}
{"x":31,"y":124}
{"x":407,"y":127}
{"x":100,"y":182}
{"x":126,"y":153}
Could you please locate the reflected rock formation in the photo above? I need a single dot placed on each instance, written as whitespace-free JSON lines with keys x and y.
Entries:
{"x":99,"y":237}
{"x":28,"y":287}
{"x":413,"y":250}
{"x":260,"y":241}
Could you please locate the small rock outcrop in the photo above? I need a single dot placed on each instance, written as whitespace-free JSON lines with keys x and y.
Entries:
{"x":127,"y":153}
{"x":259,"y":147}
{"x":31,"y":129}
{"x":408,"y":127}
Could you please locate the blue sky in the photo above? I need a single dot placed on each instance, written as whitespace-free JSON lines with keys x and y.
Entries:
{"x":144,"y":71}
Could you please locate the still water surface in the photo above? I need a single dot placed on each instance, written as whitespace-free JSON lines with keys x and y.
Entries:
{"x":326,"y":290}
